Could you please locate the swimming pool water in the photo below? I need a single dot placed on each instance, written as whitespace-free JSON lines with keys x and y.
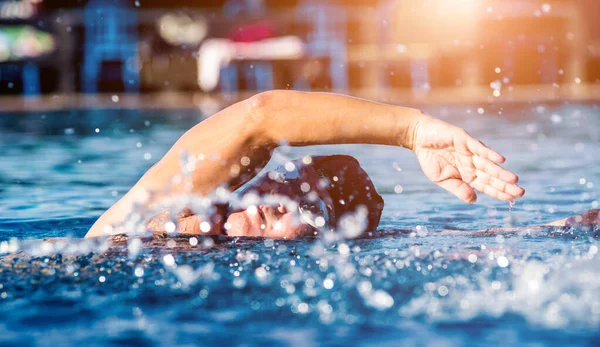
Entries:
{"x":60,"y":170}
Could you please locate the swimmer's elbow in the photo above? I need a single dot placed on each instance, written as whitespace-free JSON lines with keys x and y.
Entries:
{"x":260,"y":104}
{"x":263,"y":99}
{"x":260,"y":109}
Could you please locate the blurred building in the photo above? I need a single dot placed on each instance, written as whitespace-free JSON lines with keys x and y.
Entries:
{"x":356,"y":45}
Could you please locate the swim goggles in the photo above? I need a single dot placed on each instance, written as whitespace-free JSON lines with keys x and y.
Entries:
{"x":311,"y":208}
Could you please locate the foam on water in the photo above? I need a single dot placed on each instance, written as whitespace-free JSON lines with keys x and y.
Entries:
{"x":377,"y":282}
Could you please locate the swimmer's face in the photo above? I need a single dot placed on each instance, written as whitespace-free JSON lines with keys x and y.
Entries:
{"x":268,"y":221}
{"x":276,"y":221}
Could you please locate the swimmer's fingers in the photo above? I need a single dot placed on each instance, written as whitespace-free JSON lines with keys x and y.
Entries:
{"x":494,"y":170}
{"x":488,"y":190}
{"x":505,"y":187}
{"x":189,"y":225}
{"x":479,"y":148}
{"x":201,"y":225}
{"x":460,"y":189}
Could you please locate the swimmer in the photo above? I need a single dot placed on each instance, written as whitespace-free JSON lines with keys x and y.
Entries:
{"x":235,"y":144}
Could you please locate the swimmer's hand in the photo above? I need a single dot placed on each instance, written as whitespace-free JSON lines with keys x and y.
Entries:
{"x":459,"y":163}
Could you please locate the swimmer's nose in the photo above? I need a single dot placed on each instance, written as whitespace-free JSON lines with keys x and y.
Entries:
{"x":281,"y":209}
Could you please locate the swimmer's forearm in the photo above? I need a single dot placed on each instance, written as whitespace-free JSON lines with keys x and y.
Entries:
{"x":215,"y":148}
{"x":301,"y":118}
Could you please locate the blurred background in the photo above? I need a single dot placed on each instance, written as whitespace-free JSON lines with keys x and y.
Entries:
{"x":443,"y":51}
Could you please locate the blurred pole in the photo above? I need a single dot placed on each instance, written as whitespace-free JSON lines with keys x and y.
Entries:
{"x":385,"y":17}
{"x":31,"y":79}
{"x":63,"y":31}
{"x":577,"y":36}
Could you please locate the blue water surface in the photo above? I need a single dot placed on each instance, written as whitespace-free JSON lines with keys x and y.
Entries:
{"x":60,"y":170}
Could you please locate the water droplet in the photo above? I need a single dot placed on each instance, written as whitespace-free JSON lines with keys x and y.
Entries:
{"x":442,"y":290}
{"x":502,"y":261}
{"x":289,"y":166}
{"x":170,"y":227}
{"x":303,"y":308}
{"x":305,"y":187}
{"x":169,"y":260}
{"x":252,"y":209}
{"x":546,"y":8}
{"x":205,"y":227}
{"x":472,"y":258}
{"x":382,"y":300}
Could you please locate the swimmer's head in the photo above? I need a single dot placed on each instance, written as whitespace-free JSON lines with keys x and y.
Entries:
{"x":323,"y":189}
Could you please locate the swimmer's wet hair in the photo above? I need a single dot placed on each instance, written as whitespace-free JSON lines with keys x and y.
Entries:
{"x":349,"y":187}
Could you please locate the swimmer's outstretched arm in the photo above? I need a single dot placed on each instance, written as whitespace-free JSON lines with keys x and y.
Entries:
{"x":237,"y":142}
{"x":587,"y":219}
